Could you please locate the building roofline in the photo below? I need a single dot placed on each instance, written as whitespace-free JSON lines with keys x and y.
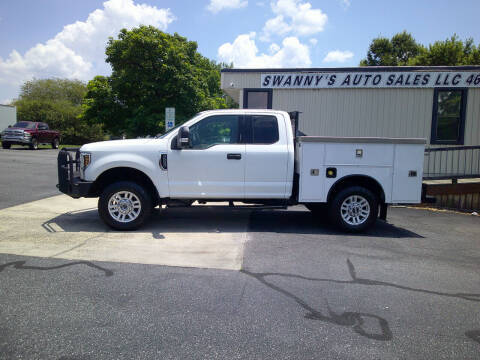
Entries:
{"x":8,"y":105}
{"x":358,"y":69}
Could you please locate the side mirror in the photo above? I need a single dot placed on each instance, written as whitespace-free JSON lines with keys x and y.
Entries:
{"x":183,"y":138}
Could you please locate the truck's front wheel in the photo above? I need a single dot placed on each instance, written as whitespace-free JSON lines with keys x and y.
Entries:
{"x":55,"y":143}
{"x":34,"y":144}
{"x":354,"y":209}
{"x":124,"y":205}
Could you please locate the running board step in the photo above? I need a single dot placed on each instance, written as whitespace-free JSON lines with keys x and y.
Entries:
{"x":242,"y":207}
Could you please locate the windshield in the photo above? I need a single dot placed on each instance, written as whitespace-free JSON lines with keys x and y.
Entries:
{"x":24,"y":125}
{"x":158,"y":136}
{"x":168,"y":132}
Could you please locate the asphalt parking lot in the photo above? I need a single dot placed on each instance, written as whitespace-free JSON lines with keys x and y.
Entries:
{"x":26,"y":175}
{"x":215,"y":284}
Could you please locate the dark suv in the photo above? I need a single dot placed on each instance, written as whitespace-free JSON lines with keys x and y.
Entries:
{"x":30,"y":133}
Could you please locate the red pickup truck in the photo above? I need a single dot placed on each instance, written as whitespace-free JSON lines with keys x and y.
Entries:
{"x":30,"y":133}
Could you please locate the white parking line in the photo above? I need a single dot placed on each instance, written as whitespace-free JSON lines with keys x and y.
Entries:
{"x":60,"y":227}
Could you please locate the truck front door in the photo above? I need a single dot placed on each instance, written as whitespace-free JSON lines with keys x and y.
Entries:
{"x":213,"y":167}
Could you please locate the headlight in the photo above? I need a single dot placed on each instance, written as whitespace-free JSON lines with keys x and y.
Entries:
{"x":85,"y":160}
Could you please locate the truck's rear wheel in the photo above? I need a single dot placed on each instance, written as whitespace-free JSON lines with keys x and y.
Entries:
{"x":354,"y":209}
{"x":6,"y":145}
{"x":124,"y":205}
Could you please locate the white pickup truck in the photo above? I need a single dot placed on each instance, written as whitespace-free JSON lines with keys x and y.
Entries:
{"x":250,"y":157}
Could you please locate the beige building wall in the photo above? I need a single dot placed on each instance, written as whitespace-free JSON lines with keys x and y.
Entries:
{"x":393,"y":112}
{"x":8,"y":116}
{"x":359,"y":112}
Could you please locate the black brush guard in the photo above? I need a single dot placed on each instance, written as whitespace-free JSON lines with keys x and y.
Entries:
{"x":69,"y":181}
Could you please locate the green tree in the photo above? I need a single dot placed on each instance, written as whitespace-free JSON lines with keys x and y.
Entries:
{"x":451,"y":51}
{"x":151,"y":70}
{"x":101,"y":106}
{"x":58,"y":103}
{"x":392,"y":52}
{"x":402,"y":49}
{"x":72,"y":91}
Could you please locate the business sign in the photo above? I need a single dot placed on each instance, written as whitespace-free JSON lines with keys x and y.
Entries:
{"x":169,"y":118}
{"x":404,"y":79}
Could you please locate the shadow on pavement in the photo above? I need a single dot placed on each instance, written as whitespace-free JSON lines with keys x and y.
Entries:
{"x":209,"y":219}
{"x":303,"y":222}
{"x":363,"y":324}
{"x":474,"y":335}
{"x":21,"y":265}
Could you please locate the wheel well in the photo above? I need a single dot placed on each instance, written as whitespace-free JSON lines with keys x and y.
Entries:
{"x":357,"y":180}
{"x":124,"y":174}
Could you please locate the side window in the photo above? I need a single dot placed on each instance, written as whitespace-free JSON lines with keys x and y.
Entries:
{"x":448,"y":120}
{"x":215,"y":130}
{"x":264,"y":129}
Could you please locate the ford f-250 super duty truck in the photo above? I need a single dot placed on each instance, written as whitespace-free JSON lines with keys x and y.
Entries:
{"x":248,"y":156}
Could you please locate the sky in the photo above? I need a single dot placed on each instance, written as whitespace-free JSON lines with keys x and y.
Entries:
{"x":67,"y":38}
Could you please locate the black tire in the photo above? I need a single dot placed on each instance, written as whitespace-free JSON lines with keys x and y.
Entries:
{"x":343,"y":219}
{"x":55,"y":143}
{"x":125,"y":186}
{"x":34,"y":144}
{"x":6,"y":145}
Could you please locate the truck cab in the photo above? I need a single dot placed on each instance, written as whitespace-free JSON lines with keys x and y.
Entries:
{"x":233,"y":155}
{"x":248,"y":156}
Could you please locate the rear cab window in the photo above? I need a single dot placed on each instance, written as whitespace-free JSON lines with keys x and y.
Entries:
{"x":261,"y":129}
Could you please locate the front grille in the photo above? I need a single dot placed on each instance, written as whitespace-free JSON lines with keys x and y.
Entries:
{"x":13,"y":133}
{"x":68,"y":161}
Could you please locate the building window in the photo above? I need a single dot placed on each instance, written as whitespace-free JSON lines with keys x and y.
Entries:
{"x":448,"y":119}
{"x":257,"y":98}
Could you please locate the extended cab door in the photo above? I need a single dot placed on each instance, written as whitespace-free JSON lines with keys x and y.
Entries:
{"x":267,"y":157}
{"x":43,"y":133}
{"x":214,"y":165}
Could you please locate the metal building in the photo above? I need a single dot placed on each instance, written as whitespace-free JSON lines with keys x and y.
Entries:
{"x":441,"y":104}
{"x":8,"y":116}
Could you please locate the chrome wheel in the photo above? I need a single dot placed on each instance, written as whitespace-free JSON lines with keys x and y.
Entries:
{"x":355,"y":210}
{"x":124,"y":206}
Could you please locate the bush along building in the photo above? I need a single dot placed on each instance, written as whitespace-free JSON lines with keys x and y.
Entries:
{"x":440,"y":104}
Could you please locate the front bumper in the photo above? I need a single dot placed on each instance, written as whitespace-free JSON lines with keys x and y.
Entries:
{"x":69,"y":181}
{"x":17,"y":140}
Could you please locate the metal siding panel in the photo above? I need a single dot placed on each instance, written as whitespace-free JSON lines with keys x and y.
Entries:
{"x":240,"y":100}
{"x":472,"y":118}
{"x":365,"y":112}
{"x":8,"y":116}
